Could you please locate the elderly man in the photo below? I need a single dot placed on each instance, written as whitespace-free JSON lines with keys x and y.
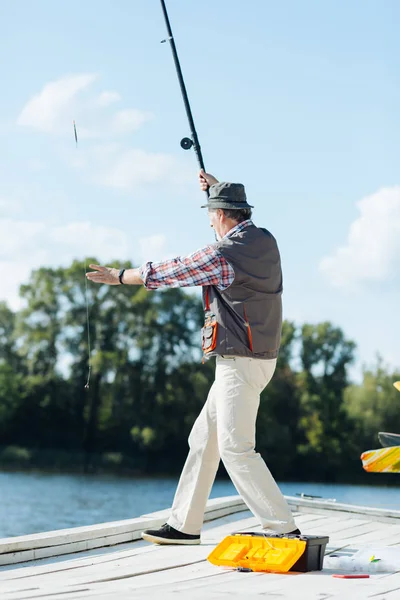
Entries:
{"x":242,"y":286}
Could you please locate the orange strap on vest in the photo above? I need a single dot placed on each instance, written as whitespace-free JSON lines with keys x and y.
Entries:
{"x":207,"y":300}
{"x":248,"y":330}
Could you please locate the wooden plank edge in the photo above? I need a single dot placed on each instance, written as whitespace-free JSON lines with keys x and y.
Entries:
{"x":69,"y":548}
{"x":323,"y":506}
{"x":78,"y":539}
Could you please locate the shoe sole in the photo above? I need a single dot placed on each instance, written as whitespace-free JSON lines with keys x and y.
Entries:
{"x":160,"y":540}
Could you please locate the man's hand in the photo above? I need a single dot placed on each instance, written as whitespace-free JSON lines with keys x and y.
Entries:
{"x":107,"y":275}
{"x":205,"y":180}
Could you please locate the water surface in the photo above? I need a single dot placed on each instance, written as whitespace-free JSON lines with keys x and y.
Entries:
{"x":34,"y":502}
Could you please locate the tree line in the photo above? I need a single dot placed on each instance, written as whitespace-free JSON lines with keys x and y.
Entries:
{"x":148,"y":384}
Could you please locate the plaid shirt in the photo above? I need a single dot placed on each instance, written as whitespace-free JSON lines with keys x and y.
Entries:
{"x":206,"y":266}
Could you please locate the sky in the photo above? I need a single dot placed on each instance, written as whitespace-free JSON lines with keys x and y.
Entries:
{"x":299,"y":101}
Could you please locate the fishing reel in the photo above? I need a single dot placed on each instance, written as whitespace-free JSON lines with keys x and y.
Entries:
{"x":186,"y":143}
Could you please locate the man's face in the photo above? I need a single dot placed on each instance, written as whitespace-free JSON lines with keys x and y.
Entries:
{"x":215,"y":222}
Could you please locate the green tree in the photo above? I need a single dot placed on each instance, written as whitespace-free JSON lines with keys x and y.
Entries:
{"x":279,"y":413}
{"x":325,"y":357}
{"x":374,"y":405}
{"x":148,"y":385}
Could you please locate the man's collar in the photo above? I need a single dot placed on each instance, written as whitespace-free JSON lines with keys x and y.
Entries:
{"x":238,"y":227}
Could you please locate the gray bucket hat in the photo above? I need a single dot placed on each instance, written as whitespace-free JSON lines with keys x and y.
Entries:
{"x":227,"y":195}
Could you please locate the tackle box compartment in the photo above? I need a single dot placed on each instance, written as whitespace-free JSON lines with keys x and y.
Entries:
{"x":270,"y":552}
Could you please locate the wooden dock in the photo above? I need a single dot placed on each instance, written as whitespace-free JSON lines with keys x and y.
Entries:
{"x":111,"y":562}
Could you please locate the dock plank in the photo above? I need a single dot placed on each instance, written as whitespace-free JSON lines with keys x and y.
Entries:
{"x":135,"y":569}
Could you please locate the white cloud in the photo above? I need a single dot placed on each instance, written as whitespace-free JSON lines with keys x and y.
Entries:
{"x":153,"y":248}
{"x":19,"y":253}
{"x":117,"y":166}
{"x":29,"y":245}
{"x":84,"y":238}
{"x":372,"y":250}
{"x":9,"y":207}
{"x":112,"y":164}
{"x":125,"y":121}
{"x":131,"y":167}
{"x":73,"y":98}
{"x":107,"y":98}
{"x":19,"y":236}
{"x":53,"y":109}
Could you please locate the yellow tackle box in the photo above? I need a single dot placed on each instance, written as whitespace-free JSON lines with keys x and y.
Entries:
{"x":277,"y":553}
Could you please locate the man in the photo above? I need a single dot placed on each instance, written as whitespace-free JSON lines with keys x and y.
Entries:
{"x":242,"y":286}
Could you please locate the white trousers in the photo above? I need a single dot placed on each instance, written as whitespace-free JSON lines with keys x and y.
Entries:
{"x":225,"y":430}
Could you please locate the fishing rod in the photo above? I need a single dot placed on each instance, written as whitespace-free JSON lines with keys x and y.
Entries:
{"x":186,"y":143}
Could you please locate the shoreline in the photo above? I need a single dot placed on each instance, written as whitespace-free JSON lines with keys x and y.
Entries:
{"x":62,"y":463}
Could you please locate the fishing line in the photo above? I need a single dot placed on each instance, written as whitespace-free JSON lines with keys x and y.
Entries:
{"x":86,"y":299}
{"x":88,"y":331}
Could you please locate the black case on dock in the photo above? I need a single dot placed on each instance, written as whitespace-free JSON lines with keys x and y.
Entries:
{"x":313,"y":557}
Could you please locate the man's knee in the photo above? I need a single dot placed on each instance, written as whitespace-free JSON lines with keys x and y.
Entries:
{"x":201,"y":441}
{"x":238,"y":452}
{"x":196,"y":439}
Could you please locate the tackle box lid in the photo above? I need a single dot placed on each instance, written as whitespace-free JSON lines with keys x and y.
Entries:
{"x":311,"y":540}
{"x":258,"y":552}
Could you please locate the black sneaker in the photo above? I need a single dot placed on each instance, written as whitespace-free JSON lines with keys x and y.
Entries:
{"x":295,"y":532}
{"x":168,"y":535}
{"x":265,"y":532}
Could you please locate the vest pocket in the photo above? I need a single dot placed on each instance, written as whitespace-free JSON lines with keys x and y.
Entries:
{"x":209,"y":333}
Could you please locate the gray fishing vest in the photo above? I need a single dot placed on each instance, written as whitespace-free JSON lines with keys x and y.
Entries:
{"x":246,"y":318}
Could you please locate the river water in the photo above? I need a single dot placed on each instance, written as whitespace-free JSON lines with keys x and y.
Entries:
{"x":34,"y":502}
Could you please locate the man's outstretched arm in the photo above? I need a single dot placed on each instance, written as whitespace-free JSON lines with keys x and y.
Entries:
{"x":204,"y":267}
{"x":110,"y":276}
